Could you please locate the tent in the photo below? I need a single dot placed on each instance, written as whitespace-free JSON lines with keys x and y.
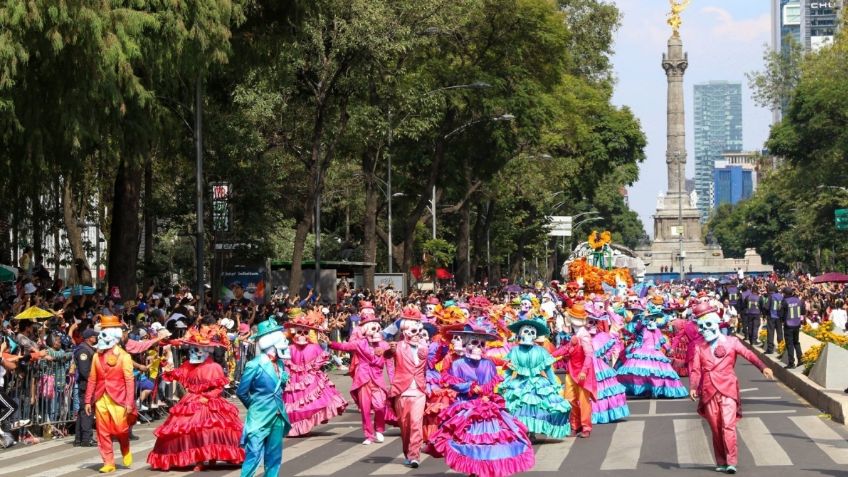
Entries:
{"x":831,"y":277}
{"x":8,"y":274}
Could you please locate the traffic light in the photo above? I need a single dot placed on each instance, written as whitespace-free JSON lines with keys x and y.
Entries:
{"x":841,"y":219}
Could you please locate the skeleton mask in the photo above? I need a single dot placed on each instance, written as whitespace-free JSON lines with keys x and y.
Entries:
{"x":423,"y":336}
{"x":300,"y":336}
{"x":473,"y":346}
{"x":465,"y":312}
{"x":372,"y":332}
{"x":108,"y":338}
{"x":577,"y":324}
{"x":456,"y":342}
{"x":274,"y":344}
{"x":197,"y":355}
{"x":708,"y":326}
{"x":592,"y":326}
{"x":282,"y":348}
{"x":526,"y":335}
{"x":526,"y":305}
{"x":411,"y":330}
{"x":429,"y":309}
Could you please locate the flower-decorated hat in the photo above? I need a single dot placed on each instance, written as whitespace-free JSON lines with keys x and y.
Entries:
{"x":313,"y":320}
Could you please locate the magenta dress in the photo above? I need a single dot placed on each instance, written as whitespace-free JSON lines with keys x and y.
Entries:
{"x":477,"y":435}
{"x":647,"y":371}
{"x":610,"y":404}
{"x":310,"y":397}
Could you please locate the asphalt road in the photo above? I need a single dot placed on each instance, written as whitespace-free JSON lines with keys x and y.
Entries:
{"x":780,"y":435}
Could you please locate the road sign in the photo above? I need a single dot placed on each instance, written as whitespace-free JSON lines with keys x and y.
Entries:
{"x":841,"y":218}
{"x":221,"y":206}
{"x":559,"y":226}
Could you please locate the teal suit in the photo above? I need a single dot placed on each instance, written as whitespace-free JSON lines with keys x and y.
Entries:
{"x":261,"y":392}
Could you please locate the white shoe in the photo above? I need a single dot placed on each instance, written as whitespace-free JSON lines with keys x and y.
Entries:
{"x":367,"y":442}
{"x":379,"y":438}
{"x":343,"y":368}
{"x":414,"y":464}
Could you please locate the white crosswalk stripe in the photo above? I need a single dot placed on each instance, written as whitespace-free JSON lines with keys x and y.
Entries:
{"x":828,"y":440}
{"x":763,"y":446}
{"x":626,"y":446}
{"x":347,"y":458}
{"x":693,"y":443}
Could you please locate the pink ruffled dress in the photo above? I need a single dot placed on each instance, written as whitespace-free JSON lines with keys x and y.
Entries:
{"x":310,"y":397}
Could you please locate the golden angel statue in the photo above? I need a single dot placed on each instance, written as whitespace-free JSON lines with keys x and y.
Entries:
{"x":677,"y":7}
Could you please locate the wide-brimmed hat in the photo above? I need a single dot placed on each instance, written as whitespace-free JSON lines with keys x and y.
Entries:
{"x":578,"y":311}
{"x":702,"y":309}
{"x":536,"y":322}
{"x":110,"y":321}
{"x":313,"y":320}
{"x":411,"y":312}
{"x":481,"y":327}
{"x":266,"y":327}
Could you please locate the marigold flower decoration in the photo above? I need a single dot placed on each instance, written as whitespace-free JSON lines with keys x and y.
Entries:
{"x":598,"y":240}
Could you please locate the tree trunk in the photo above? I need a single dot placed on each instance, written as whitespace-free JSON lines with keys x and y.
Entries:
{"x":369,"y":225}
{"x":123,"y":238}
{"x":37,"y":225}
{"x":70,"y":213}
{"x":300,"y":233}
{"x":463,"y":246}
{"x":149,"y":223}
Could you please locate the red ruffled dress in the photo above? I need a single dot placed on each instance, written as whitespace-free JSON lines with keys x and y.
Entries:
{"x":310,"y":397}
{"x":203,"y":426}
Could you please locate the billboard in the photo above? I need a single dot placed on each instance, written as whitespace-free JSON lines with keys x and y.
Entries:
{"x":240,"y":282}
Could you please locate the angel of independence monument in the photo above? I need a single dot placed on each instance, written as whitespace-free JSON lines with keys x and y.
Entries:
{"x":677,"y":243}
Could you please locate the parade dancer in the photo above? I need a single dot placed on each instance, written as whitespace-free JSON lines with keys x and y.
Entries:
{"x":581,"y":384}
{"x":477,"y":435}
{"x":409,"y":384}
{"x":310,"y":397}
{"x":713,"y":380}
{"x":261,"y":391}
{"x":203,"y":427}
{"x":531,"y":390}
{"x":369,"y":386}
{"x":111,"y":394}
{"x":610,"y":402}
{"x":647,"y":371}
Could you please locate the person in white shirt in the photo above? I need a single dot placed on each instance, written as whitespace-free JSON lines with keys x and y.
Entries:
{"x":838,"y":315}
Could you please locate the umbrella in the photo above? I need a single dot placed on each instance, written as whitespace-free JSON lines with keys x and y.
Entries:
{"x":514,"y":288}
{"x":831,"y":277}
{"x":78,"y":290}
{"x":33,"y":313}
{"x":8,"y":274}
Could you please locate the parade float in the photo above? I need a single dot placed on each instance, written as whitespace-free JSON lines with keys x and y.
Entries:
{"x":602,"y":266}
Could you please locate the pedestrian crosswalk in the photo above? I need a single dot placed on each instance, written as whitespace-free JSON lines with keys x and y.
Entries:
{"x":659,"y":445}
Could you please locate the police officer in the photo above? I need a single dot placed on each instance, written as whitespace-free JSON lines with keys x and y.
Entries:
{"x":792,"y":312}
{"x":83,"y":355}
{"x":749,"y":308}
{"x":773,"y":304}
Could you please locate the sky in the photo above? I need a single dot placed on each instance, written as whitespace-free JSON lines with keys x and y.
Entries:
{"x":724,"y":38}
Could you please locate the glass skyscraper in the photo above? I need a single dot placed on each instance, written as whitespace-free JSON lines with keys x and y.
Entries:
{"x":718,"y":129}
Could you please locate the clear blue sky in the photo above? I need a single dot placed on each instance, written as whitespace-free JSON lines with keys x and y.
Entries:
{"x":724,"y":39}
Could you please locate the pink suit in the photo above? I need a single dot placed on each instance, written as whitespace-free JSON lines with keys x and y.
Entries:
{"x":714,"y":377}
{"x":578,"y":354}
{"x":369,"y":386}
{"x":408,"y":392}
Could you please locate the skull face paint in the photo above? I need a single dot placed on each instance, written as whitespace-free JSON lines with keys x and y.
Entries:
{"x":108,"y":338}
{"x":473,"y":346}
{"x":429,"y":309}
{"x":411,"y":330}
{"x":300,"y":336}
{"x":527,"y":335}
{"x":372,"y":332}
{"x":592,"y":326}
{"x":457,"y":344}
{"x":577,"y":324}
{"x":708,"y":325}
{"x":197,"y":355}
{"x":526,"y":305}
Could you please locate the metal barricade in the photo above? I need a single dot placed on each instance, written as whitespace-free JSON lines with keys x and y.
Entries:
{"x":43,"y":393}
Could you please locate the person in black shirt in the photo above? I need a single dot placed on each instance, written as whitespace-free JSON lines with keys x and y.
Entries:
{"x":85,"y":352}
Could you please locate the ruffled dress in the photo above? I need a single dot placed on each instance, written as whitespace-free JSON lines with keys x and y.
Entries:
{"x":203,"y":426}
{"x":647,"y":371}
{"x":610,"y":404}
{"x":310,"y":397}
{"x":477,"y":435}
{"x":534,"y":399}
{"x":439,"y":396}
{"x":683,"y":345}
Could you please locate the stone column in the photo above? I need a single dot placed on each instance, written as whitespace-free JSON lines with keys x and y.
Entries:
{"x":674,"y":63}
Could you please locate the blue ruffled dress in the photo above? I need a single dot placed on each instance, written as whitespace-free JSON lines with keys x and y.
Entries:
{"x":647,"y":371}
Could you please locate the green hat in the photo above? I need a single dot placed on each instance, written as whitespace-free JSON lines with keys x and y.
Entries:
{"x":536,"y":322}
{"x":266,"y":327}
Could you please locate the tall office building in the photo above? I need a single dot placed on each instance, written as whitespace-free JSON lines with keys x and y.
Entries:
{"x":732,"y":182}
{"x":718,"y":129}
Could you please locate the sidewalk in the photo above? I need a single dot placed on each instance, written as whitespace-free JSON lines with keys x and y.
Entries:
{"x":832,"y":402}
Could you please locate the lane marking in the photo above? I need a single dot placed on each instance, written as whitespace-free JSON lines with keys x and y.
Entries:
{"x":763,"y":446}
{"x":748,"y":390}
{"x":827,"y":439}
{"x":626,"y":446}
{"x":763,"y":398}
{"x":347,"y":458}
{"x":80,"y":462}
{"x":693,"y":445}
{"x":26,"y":449}
{"x":694,"y":415}
{"x":551,"y":455}
{"x":652,"y":407}
{"x":305,"y":445}
{"x":396,"y":467}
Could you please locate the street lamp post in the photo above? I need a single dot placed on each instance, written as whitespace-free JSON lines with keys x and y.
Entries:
{"x":682,"y":190}
{"x":198,"y":130}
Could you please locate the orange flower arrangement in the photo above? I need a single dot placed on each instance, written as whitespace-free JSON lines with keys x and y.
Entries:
{"x":593,"y":276}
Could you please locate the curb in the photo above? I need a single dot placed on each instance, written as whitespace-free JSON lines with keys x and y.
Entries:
{"x":834,"y":403}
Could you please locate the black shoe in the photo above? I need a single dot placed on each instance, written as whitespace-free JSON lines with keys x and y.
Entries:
{"x":88,"y":444}
{"x":77,"y":444}
{"x":133,"y":437}
{"x":790,"y":366}
{"x":769,"y":352}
